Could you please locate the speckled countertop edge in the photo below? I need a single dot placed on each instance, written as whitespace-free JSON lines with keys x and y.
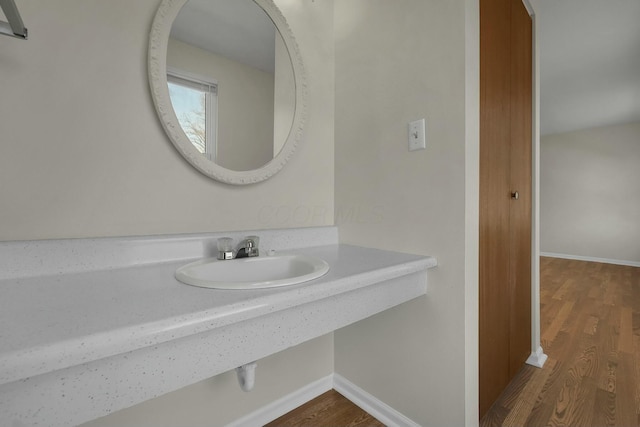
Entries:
{"x":39,"y":359}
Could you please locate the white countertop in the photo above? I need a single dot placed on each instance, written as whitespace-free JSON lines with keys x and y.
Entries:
{"x":63,"y":320}
{"x":74,"y":324}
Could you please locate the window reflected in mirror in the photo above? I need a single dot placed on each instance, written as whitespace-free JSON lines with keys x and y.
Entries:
{"x":195,"y":104}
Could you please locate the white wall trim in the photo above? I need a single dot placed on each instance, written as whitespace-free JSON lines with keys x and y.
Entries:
{"x":285,"y":404}
{"x":380,"y":410}
{"x":472,"y":213}
{"x":527,"y":4}
{"x":537,"y":358}
{"x":375,"y":407}
{"x":591,"y":259}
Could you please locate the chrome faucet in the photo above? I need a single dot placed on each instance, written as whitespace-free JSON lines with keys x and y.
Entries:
{"x":248,"y":247}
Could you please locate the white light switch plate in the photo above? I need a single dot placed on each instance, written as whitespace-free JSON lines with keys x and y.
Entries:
{"x":417,"y":139}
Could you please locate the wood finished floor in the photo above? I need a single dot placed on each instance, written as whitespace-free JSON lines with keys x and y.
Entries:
{"x":590,"y":329}
{"x":330,"y":409}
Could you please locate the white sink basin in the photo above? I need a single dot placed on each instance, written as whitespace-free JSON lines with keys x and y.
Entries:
{"x":253,"y":273}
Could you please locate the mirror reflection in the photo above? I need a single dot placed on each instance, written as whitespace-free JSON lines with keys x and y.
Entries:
{"x":231,"y":82}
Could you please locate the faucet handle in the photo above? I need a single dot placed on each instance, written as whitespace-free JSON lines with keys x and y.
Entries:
{"x":225,"y":248}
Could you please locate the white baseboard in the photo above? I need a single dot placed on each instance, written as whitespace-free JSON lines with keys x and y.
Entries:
{"x":537,"y":358}
{"x":378,"y":409}
{"x":276,"y":409}
{"x":591,"y":259}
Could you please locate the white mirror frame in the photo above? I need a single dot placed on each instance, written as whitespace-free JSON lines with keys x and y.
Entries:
{"x":157,"y":63}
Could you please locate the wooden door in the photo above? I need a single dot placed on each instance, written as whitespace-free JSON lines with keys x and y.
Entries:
{"x":495,"y":88}
{"x":505,"y":168}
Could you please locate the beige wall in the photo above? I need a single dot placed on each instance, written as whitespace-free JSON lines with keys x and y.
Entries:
{"x":245,"y":104}
{"x":398,"y":61}
{"x":83,"y":154}
{"x":590,"y":193}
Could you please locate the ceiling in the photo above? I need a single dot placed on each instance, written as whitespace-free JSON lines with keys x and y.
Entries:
{"x":236,"y":29}
{"x":589,"y":63}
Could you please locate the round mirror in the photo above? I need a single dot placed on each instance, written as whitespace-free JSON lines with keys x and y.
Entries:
{"x":228,"y":84}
